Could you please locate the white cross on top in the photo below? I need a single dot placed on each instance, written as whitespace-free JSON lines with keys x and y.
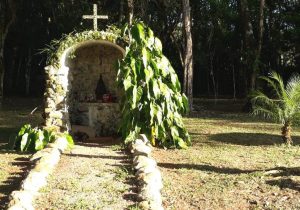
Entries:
{"x":95,"y":17}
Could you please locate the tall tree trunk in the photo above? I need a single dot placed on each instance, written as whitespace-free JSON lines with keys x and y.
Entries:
{"x":188,"y":54}
{"x":248,"y":39}
{"x":4,"y":29}
{"x":259,"y":45}
{"x":130,"y":11}
{"x":233,"y":82}
{"x":121,"y":11}
{"x":28,"y":72}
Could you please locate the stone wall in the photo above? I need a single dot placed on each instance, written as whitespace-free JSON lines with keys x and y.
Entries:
{"x":56,"y":112}
{"x":88,"y":63}
{"x":103,"y":117}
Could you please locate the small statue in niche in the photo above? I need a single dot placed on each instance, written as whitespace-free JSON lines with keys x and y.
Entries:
{"x":100,"y":89}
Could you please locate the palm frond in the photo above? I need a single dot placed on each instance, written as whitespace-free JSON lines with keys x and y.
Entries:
{"x":286,"y":107}
{"x":266,"y":113}
{"x":271,"y":83}
{"x":293,"y":87}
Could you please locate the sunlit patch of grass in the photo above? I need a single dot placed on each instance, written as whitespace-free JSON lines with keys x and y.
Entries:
{"x":236,"y":162}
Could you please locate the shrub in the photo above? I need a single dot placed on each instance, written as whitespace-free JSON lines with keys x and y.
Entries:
{"x":31,"y":139}
{"x":152,"y":103}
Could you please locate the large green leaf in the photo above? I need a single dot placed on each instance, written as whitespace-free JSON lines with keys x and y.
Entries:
{"x":24,"y":141}
{"x":138,"y":33}
{"x":127,"y":83}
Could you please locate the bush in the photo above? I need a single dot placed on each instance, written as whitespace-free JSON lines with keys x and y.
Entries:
{"x":152,"y":103}
{"x":31,"y":139}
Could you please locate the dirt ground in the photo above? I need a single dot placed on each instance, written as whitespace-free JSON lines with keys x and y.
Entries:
{"x":91,"y":176}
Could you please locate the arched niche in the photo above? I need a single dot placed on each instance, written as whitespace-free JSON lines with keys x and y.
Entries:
{"x":71,"y":98}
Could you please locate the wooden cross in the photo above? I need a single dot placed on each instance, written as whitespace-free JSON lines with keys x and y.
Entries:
{"x":95,"y":17}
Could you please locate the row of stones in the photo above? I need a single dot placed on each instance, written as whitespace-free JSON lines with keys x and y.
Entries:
{"x":56,"y":113}
{"x":44,"y":162}
{"x":148,"y":176}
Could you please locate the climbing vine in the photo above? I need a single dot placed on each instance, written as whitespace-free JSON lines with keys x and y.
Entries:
{"x":152,"y":102}
{"x":57,"y":47}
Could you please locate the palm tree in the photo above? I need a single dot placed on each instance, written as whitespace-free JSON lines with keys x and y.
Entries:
{"x":283,"y":107}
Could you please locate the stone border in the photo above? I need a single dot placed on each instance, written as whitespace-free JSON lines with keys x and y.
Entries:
{"x":148,"y":176}
{"x":44,"y":162}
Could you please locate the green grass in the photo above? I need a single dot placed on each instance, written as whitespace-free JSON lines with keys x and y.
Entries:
{"x":236,"y":162}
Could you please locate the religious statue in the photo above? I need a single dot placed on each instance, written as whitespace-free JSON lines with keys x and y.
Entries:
{"x":100,"y":89}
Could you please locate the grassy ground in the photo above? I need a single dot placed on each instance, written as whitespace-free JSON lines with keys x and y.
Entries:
{"x":236,"y":162}
{"x":13,"y":114}
{"x":92,"y":176}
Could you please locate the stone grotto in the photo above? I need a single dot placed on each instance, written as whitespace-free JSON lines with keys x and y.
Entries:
{"x":81,"y":94}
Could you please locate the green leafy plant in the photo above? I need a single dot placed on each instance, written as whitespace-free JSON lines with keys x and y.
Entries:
{"x":152,"y":102}
{"x":57,"y":47}
{"x":284,"y":107}
{"x":34,"y":139}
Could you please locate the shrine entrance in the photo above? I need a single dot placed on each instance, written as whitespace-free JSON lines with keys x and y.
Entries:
{"x":81,"y":94}
{"x":93,"y":94}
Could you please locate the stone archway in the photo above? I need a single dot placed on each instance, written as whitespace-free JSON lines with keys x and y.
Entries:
{"x":70,"y":96}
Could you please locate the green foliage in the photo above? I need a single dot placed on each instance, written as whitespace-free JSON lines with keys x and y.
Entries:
{"x":34,"y":139}
{"x":285,"y":107}
{"x":152,"y":103}
{"x":57,"y":47}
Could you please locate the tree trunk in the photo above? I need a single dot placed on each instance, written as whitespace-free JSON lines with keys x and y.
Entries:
{"x":188,"y":54}
{"x":130,"y":11}
{"x":121,"y":11}
{"x":248,"y":39}
{"x":4,"y":28}
{"x":233,"y":82}
{"x":259,"y":45}
{"x":286,"y":131}
{"x":28,"y":72}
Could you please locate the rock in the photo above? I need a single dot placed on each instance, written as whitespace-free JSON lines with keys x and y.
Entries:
{"x":56,"y":114}
{"x":23,"y":198}
{"x":61,"y":143}
{"x":138,"y":142}
{"x":34,"y":181}
{"x":145,"y":162}
{"x":146,"y":169}
{"x":155,"y":206}
{"x":43,"y":168}
{"x":40,"y":154}
{"x":152,"y":179}
{"x":150,"y":194}
{"x":19,"y":206}
{"x":144,"y":138}
{"x":50,"y":159}
{"x":142,"y":150}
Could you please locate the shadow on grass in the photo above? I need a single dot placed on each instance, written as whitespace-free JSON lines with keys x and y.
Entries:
{"x":208,"y":168}
{"x":75,"y":155}
{"x":285,"y":183}
{"x":14,"y":180}
{"x":104,"y":142}
{"x":250,"y":139}
{"x":7,"y":132}
{"x":274,"y":172}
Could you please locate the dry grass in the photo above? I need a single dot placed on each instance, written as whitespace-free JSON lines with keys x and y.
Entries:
{"x":236,"y":162}
{"x":13,"y":114}
{"x":92,"y":176}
